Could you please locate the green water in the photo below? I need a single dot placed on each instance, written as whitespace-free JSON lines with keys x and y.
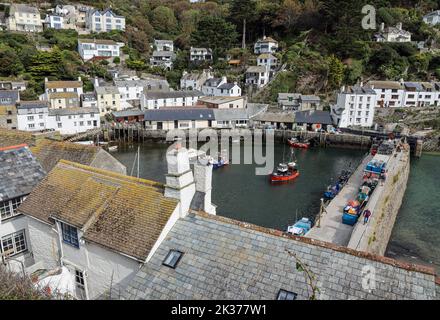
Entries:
{"x":416,"y":234}
{"x":241,"y":195}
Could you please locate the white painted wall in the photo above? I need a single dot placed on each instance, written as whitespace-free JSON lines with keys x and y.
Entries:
{"x":358,"y":109}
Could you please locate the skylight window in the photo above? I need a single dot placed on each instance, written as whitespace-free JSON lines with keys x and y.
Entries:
{"x":286,"y":295}
{"x":172,"y":259}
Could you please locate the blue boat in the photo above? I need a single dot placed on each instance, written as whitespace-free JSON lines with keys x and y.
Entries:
{"x":300,"y":228}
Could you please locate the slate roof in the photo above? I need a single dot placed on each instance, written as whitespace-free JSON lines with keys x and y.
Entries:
{"x":63,"y":84}
{"x":15,"y":137}
{"x":225,"y":259}
{"x":256,"y":69}
{"x":107,"y":90}
{"x":386,"y":85}
{"x":121,"y":213}
{"x":20,"y":172}
{"x":313,"y":117}
{"x":98,"y":41}
{"x":19,"y":7}
{"x":227,"y":86}
{"x":63,"y":95}
{"x":72,"y":111}
{"x":219,"y":99}
{"x":142,"y":83}
{"x":281,"y":117}
{"x":230,"y":114}
{"x":37,"y":104}
{"x":9,"y":97}
{"x":213,"y":82}
{"x":171,"y":114}
{"x":414,"y":85}
{"x":173,"y":94}
{"x":50,"y":152}
{"x":359,"y":90}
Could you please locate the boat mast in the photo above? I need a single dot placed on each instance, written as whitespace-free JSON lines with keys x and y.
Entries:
{"x":138,"y":158}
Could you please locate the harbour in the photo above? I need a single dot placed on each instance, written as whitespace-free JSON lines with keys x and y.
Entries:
{"x":280,"y":206}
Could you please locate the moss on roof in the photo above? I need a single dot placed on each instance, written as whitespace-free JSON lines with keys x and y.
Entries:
{"x":121,"y":213}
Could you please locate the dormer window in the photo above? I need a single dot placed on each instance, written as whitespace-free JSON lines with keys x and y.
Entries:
{"x":286,"y":295}
{"x":172,"y":259}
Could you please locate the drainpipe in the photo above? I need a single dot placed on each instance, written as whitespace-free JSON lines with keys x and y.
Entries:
{"x":60,"y":242}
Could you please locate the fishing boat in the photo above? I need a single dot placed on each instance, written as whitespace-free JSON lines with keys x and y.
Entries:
{"x":294,"y":143}
{"x":113,"y":148}
{"x":220,"y":161}
{"x":300,"y":228}
{"x":284,"y":173}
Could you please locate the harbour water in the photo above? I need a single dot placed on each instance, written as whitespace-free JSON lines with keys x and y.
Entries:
{"x":242,"y":195}
{"x":416,"y":234}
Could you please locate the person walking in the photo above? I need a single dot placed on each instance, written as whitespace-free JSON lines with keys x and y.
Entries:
{"x":367,"y":215}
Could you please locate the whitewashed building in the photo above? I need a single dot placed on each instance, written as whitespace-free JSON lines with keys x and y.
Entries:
{"x":20,"y":172}
{"x":24,"y":18}
{"x":267,"y":60}
{"x":355,"y":107}
{"x":221,"y":87}
{"x":104,"y":242}
{"x":200,"y":54}
{"x":432,"y":18}
{"x":393,"y":34}
{"x":32,"y":115}
{"x":419,"y":94}
{"x":156,"y":100}
{"x":132,"y":89}
{"x":266,"y":45}
{"x":90,"y":48}
{"x":388,"y":93}
{"x":162,"y":59}
{"x":89,"y":100}
{"x":257,"y":75}
{"x":222,"y":102}
{"x":73,"y":120}
{"x":194,"y":80}
{"x":104,"y":21}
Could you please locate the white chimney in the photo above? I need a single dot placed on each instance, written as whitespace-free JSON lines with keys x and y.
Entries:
{"x":382,"y":26}
{"x":180,"y":180}
{"x":96,"y":82}
{"x":203,"y":176}
{"x":399,"y":26}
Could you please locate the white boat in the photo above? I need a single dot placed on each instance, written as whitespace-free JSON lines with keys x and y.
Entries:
{"x":113,"y":148}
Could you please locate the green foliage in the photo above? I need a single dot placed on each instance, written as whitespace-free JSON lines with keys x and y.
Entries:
{"x":10,"y":63}
{"x":335,"y":72}
{"x":163,"y":19}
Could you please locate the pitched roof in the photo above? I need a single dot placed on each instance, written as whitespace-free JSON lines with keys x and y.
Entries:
{"x":8,"y":97}
{"x":97,"y":41}
{"x":386,"y":85}
{"x":227,"y":86}
{"x":15,"y":137}
{"x":20,"y":172}
{"x":219,"y":99}
{"x":72,"y":111}
{"x":313,"y":117}
{"x":256,"y":69}
{"x":267,"y":39}
{"x":63,"y":84}
{"x":282,"y":117}
{"x":173,"y":94}
{"x":32,"y":104}
{"x":224,"y":259}
{"x":107,"y":90}
{"x":63,"y":95}
{"x":186,"y":113}
{"x":121,"y":213}
{"x":359,"y":90}
{"x":19,"y":7}
{"x":230,"y":114}
{"x":50,"y":152}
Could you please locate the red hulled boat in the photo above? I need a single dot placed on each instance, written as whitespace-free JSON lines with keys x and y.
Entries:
{"x":294,"y":143}
{"x":284,"y":173}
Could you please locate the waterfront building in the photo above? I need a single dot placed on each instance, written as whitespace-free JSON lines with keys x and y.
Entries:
{"x":63,"y":94}
{"x":158,"y":99}
{"x":108,"y":99}
{"x":388,"y":93}
{"x":105,"y":241}
{"x":355,"y":107}
{"x":222,"y":102}
{"x":419,"y":94}
{"x":257,"y":75}
{"x":20,"y":172}
{"x":179,"y":118}
{"x":200,"y":54}
{"x":298,"y":102}
{"x":313,"y":120}
{"x":91,"y":48}
{"x":73,"y":120}
{"x":104,"y":21}
{"x":267,"y":45}
{"x":129,"y":116}
{"x":275,"y":120}
{"x":194,"y":80}
{"x":8,"y":108}
{"x":221,"y":87}
{"x":24,"y":18}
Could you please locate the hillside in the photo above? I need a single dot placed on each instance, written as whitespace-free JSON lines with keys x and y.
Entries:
{"x":322,"y":42}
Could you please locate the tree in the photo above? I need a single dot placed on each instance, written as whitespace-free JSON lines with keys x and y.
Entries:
{"x":288,"y":14}
{"x":163,"y":19}
{"x":243,"y":12}
{"x":335,"y":72}
{"x":215,"y":33}
{"x":10,"y":63}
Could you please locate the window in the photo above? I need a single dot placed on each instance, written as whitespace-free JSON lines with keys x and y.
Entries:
{"x":81,"y":123}
{"x":80,"y":284}
{"x":172,"y":259}
{"x":60,"y":125}
{"x":30,"y":118}
{"x":8,"y":121}
{"x":286,"y":295}
{"x":8,"y":209}
{"x":31,"y":126}
{"x":14,"y":243}
{"x":70,"y":235}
